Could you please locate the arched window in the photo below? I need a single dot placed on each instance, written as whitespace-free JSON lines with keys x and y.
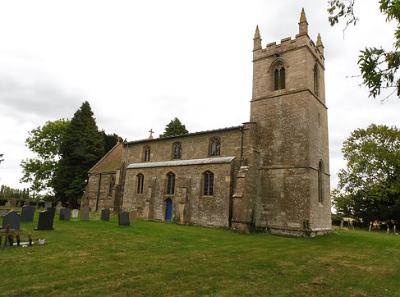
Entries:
{"x":146,"y":153}
{"x":140,"y":183}
{"x":208,"y":183}
{"x":176,"y":150}
{"x":316,"y":80}
{"x":279,"y":77}
{"x":170,"y":183}
{"x":321,"y":181}
{"x":215,"y":146}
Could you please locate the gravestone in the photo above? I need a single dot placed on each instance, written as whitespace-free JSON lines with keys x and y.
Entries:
{"x":48,"y":205}
{"x":75,"y":213}
{"x":58,"y":207}
{"x":84,"y":214}
{"x":105,"y":214}
{"x":65,"y":214}
{"x":123,"y":218}
{"x":12,"y":219}
{"x":28,"y":213}
{"x":46,"y":218}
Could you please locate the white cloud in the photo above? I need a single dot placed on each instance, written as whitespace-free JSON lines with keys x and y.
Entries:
{"x":141,"y":63}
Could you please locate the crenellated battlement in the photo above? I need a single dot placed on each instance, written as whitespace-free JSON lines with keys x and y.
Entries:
{"x":301,"y":40}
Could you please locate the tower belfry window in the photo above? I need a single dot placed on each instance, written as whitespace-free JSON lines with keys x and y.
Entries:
{"x":279,"y":78}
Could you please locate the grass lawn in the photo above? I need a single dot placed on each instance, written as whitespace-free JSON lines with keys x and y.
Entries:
{"x":94,"y":258}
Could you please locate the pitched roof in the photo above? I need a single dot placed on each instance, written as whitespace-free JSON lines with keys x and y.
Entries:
{"x":110,"y":161}
{"x":214,"y":160}
{"x":185,"y":135}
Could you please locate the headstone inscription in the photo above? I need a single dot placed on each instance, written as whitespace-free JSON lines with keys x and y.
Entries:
{"x":84,"y":214}
{"x":46,"y":218}
{"x":28,"y":213}
{"x":75,"y":213}
{"x":12,"y":219}
{"x":105,"y":214}
{"x":123,"y":218}
{"x":65,"y":214}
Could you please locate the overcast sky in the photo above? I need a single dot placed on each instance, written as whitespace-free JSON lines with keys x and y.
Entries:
{"x":142,"y":63}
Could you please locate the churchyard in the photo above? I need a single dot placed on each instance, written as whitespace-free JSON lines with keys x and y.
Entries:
{"x":101,"y":258}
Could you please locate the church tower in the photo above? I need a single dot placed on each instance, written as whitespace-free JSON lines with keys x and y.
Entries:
{"x":290,"y":143}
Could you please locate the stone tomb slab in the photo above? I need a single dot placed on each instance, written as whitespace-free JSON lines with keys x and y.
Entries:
{"x":28,"y":213}
{"x":105,"y":214}
{"x":13,"y":219}
{"x":123,"y":218}
{"x":65,"y":214}
{"x":84,"y":214}
{"x":75,"y":213}
{"x":46,"y":218}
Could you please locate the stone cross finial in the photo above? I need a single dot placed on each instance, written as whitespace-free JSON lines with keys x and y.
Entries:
{"x":151,"y":134}
{"x":257,"y":40}
{"x":303,"y":24}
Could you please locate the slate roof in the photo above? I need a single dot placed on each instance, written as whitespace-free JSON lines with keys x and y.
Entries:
{"x":185,"y":135}
{"x":214,"y":160}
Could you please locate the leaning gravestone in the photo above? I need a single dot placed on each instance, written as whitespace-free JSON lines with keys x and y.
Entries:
{"x":105,"y":214}
{"x":123,"y":218}
{"x":84,"y":214}
{"x":65,"y":214}
{"x":12,"y":219}
{"x":28,"y":213}
{"x":75,"y":213}
{"x":46,"y":218}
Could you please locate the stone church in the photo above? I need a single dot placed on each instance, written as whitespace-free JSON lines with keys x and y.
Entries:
{"x":268,"y":174}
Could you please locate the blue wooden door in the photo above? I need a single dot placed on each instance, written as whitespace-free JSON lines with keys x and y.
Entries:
{"x":168,"y":210}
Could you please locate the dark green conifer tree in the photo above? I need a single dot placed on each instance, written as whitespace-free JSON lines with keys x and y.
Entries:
{"x":174,"y":128}
{"x":81,"y":148}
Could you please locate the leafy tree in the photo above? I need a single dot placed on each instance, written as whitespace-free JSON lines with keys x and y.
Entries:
{"x":379,"y":67}
{"x":81,"y":148}
{"x":8,"y":193}
{"x":370,"y":186}
{"x":45,"y":143}
{"x":110,"y":140}
{"x":174,"y":128}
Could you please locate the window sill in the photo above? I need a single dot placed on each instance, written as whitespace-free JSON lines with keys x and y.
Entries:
{"x":207,"y":196}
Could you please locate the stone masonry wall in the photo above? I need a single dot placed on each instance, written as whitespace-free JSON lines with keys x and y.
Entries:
{"x":190,"y":206}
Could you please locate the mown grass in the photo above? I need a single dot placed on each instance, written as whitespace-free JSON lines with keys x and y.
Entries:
{"x":94,"y":258}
